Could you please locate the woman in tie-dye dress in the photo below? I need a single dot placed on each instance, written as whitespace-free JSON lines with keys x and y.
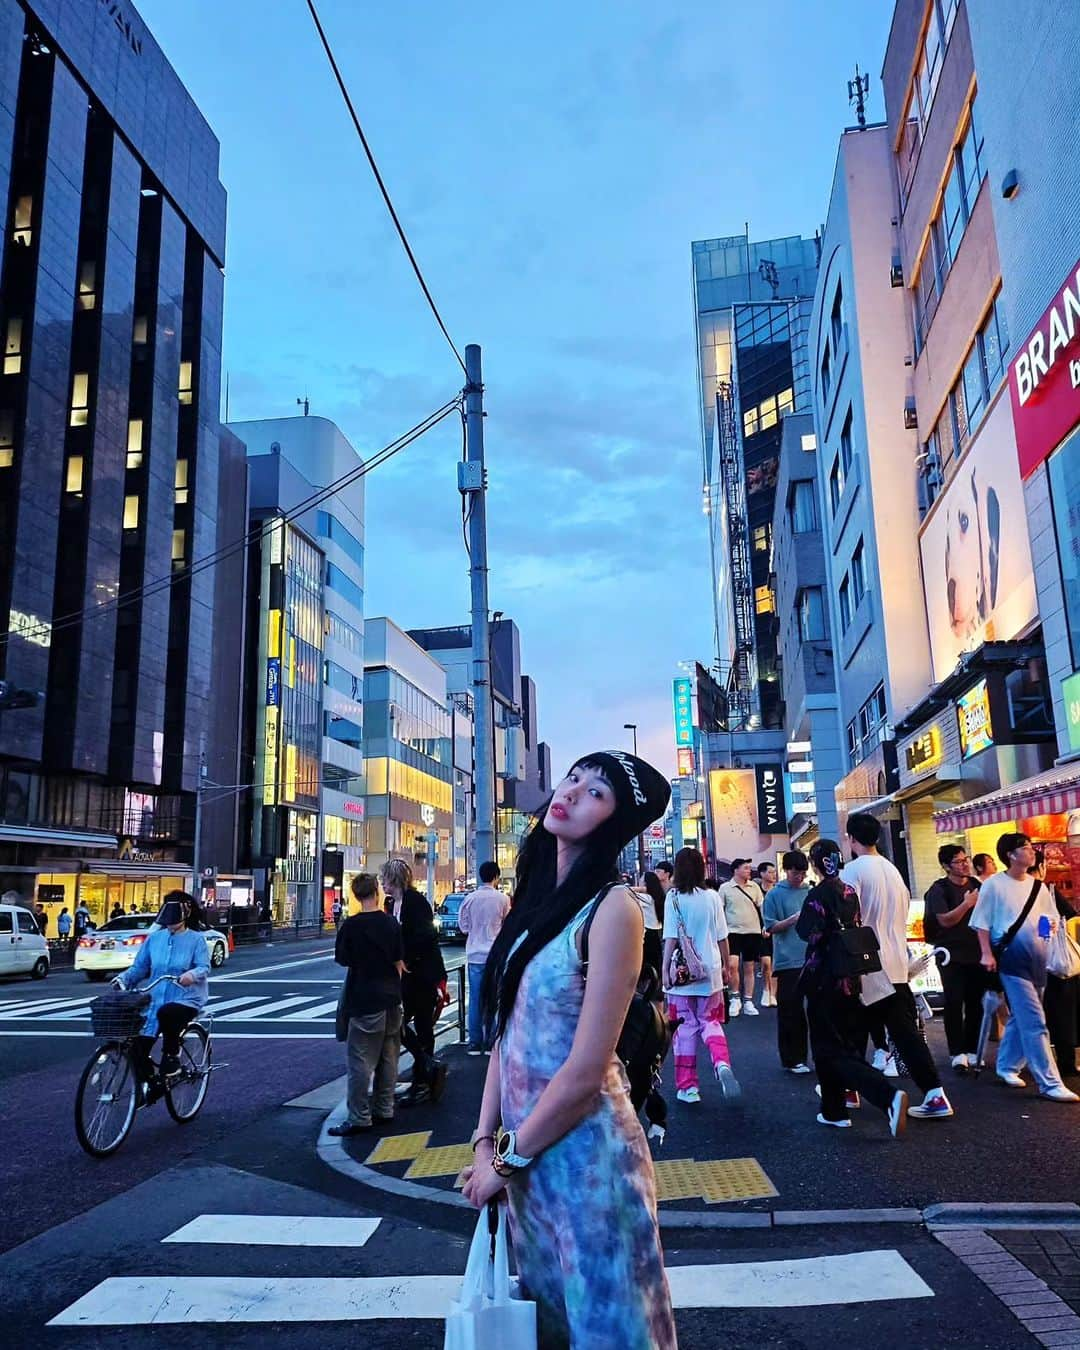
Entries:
{"x":571,"y":1155}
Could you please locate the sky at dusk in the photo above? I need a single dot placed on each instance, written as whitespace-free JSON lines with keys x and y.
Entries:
{"x":551,"y":165}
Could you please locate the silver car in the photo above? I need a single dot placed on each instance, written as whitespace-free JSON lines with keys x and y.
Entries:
{"x":115,"y":945}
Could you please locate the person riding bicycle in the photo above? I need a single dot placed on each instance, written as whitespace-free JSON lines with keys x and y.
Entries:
{"x":175,"y":947}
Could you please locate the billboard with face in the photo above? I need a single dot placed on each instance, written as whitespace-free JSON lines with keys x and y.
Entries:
{"x":976,"y":559}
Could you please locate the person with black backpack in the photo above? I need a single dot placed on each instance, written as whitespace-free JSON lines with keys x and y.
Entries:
{"x":837,"y":950}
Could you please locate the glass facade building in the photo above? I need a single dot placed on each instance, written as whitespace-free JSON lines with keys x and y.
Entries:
{"x":111,"y":258}
{"x":751,"y":306}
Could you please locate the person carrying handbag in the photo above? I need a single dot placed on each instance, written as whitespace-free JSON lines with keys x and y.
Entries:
{"x":836,"y":947}
{"x":1015,"y":918}
{"x":695,"y":962}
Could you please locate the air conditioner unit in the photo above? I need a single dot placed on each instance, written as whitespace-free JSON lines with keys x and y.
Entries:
{"x":911,"y":417}
{"x":896,"y":271}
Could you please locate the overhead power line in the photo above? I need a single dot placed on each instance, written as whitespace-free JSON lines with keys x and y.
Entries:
{"x":151,"y":588}
{"x":379,"y":180}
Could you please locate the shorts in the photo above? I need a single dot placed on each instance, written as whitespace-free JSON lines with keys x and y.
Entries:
{"x":747,"y":945}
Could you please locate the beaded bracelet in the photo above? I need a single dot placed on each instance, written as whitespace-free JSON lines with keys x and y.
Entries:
{"x":492,"y":1139}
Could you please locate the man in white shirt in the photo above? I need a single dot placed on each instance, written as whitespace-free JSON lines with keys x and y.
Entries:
{"x":743,"y":901}
{"x":480,"y":918}
{"x":884,"y":900}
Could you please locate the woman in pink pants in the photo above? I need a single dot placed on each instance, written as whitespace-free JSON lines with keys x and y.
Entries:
{"x":694,"y":918}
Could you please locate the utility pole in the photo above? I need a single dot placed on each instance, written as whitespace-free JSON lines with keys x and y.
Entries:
{"x":472,"y":483}
{"x":196,"y":877}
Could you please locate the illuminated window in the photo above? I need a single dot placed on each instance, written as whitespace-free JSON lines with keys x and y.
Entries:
{"x":750,"y":421}
{"x":179,"y":545}
{"x":761,"y":538}
{"x":24,"y":209}
{"x":185,"y":381}
{"x":134,"y":443}
{"x":768,"y":413}
{"x":139,"y":330}
{"x":131,"y":512}
{"x":181,"y":481}
{"x":80,"y":400}
{"x":764,"y":600}
{"x":13,"y":347}
{"x":87,"y":295}
{"x":7,"y":439}
{"x":785,"y":400}
{"x":73,"y":481}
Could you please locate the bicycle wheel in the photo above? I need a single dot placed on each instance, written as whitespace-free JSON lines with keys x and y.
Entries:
{"x":105,"y":1101}
{"x":186,"y":1091}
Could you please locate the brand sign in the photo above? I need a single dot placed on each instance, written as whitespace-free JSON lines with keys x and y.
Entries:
{"x":973,"y":712}
{"x":1070,"y":690}
{"x":684,"y":713}
{"x":427,"y":815}
{"x":354,"y":808}
{"x":924,"y":752}
{"x":685,"y":757}
{"x":769,"y":779}
{"x":273,"y":682}
{"x":123,"y":24}
{"x":1044,"y":378}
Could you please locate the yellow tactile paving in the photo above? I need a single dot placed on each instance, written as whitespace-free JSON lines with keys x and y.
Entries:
{"x":677,"y":1179}
{"x":441,"y":1162}
{"x":399,"y":1147}
{"x":733,"y":1179}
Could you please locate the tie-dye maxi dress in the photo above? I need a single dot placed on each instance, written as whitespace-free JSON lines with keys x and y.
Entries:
{"x":583,"y":1215}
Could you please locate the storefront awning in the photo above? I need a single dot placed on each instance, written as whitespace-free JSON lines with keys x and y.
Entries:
{"x":1051,"y":793}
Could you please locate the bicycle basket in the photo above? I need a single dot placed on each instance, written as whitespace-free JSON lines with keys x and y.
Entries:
{"x":119,"y":1014}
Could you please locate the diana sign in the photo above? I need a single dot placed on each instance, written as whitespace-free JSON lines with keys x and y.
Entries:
{"x":1044,"y":379}
{"x":770,"y":798}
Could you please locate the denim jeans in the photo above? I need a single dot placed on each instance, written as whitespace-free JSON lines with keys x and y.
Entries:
{"x":476,"y":1022}
{"x":1026,"y":1039}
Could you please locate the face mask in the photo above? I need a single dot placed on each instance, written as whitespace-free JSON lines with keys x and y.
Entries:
{"x":171,"y":914}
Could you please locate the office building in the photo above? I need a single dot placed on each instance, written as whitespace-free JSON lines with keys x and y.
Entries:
{"x":111,"y":464}
{"x":306,"y":694}
{"x":751,"y":306}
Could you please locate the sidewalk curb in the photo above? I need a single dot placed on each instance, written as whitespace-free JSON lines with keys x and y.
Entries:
{"x":941,"y":1218}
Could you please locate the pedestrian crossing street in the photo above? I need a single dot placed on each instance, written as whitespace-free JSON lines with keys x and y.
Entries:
{"x":290,"y":1010}
{"x":143,"y":1300}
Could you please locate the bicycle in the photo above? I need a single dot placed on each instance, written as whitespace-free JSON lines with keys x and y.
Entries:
{"x":110,"y":1093}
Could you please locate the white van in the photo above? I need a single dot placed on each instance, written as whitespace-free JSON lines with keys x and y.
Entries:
{"x":23,"y":950}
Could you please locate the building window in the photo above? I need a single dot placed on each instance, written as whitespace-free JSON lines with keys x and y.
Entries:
{"x":877,"y":704}
{"x":337,"y":580}
{"x":764,"y":600}
{"x":858,"y":574}
{"x":131,"y":512}
{"x":86,"y":298}
{"x":181,"y":482}
{"x":811,"y":608}
{"x":329,"y":527}
{"x":836,"y":485}
{"x":134,"y":443}
{"x":80,"y":400}
{"x":140,"y":330}
{"x":845,"y":444}
{"x":13,"y":347}
{"x":826,"y":375}
{"x":24,"y":210}
{"x":836,"y":322}
{"x":845,"y":605}
{"x":74,"y":476}
{"x":853,"y":742}
{"x":179,"y":547}
{"x":7,"y":439}
{"x":185,"y":382}
{"x":762,"y":538}
{"x":802,"y":505}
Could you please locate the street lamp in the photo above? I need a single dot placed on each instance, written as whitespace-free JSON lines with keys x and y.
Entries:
{"x":632,"y":727}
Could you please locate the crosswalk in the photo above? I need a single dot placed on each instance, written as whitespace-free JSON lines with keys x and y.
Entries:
{"x":144,"y":1300}
{"x":293,"y":1010}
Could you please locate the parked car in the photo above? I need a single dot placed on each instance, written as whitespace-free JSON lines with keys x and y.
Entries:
{"x":115,"y":945}
{"x":23,"y":949}
{"x":446,"y":918}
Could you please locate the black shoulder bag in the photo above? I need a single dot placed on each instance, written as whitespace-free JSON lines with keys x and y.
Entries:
{"x":851,"y":951}
{"x":1000,"y":947}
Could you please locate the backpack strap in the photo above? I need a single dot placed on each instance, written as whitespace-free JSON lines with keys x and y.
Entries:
{"x":601,"y":896}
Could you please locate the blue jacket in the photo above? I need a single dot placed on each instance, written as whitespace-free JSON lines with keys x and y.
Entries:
{"x":165,"y":954}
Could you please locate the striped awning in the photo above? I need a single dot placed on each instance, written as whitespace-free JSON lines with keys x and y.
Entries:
{"x":1051,"y":793}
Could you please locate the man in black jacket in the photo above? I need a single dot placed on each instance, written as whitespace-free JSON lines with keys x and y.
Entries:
{"x":420,"y":985}
{"x":946,"y":923}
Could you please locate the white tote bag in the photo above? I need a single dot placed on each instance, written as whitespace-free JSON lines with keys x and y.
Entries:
{"x":1063,"y":957}
{"x":486,"y":1315}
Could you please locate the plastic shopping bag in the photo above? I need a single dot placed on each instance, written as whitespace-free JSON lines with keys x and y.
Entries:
{"x":486,"y":1315}
{"x":1063,"y":957}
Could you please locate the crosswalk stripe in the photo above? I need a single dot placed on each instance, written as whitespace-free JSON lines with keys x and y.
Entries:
{"x":216,"y":1007}
{"x":277,"y":1230}
{"x":31,"y":1007}
{"x":269,"y":1009}
{"x":312,"y":1014}
{"x":132,"y":1300}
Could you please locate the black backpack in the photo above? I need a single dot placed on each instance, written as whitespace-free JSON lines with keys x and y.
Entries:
{"x":646,"y":1035}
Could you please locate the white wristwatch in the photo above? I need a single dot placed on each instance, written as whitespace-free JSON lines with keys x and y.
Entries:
{"x":506,"y":1152}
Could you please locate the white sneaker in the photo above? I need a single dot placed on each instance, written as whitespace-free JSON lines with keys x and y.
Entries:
{"x":1060,"y":1094}
{"x":767,"y":1000}
{"x":836,"y":1124}
{"x":736,"y":1007}
{"x":800,"y":1068}
{"x":749,"y":1009}
{"x":1012,"y":1080}
{"x":691,"y":1095}
{"x":729,"y":1084}
{"x":961,"y":1063}
{"x":890,"y":1070}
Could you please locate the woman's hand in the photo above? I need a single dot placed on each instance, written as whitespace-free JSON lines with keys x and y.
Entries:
{"x":481,"y":1180}
{"x":187,"y":979}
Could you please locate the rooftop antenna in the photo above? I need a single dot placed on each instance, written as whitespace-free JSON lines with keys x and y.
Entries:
{"x":304,"y":403}
{"x":857,"y":90}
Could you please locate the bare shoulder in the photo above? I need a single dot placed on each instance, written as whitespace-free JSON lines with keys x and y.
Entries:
{"x":618,"y":907}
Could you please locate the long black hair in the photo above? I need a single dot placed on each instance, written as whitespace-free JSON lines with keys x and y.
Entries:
{"x":656,"y":893}
{"x":543,"y":906}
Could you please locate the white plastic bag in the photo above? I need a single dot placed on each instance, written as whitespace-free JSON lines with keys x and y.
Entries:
{"x":1063,"y":957}
{"x":486,"y":1315}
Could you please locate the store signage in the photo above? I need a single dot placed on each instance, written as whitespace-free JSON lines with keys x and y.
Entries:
{"x":427,"y":815}
{"x":1070,"y":690}
{"x":656,"y":831}
{"x":684,"y":713}
{"x":769,"y":779}
{"x":353,"y":808}
{"x":123,"y":23}
{"x":973,"y":712}
{"x":924,"y":752}
{"x":1044,"y":379}
{"x":273,"y":682}
{"x":685,"y":757}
